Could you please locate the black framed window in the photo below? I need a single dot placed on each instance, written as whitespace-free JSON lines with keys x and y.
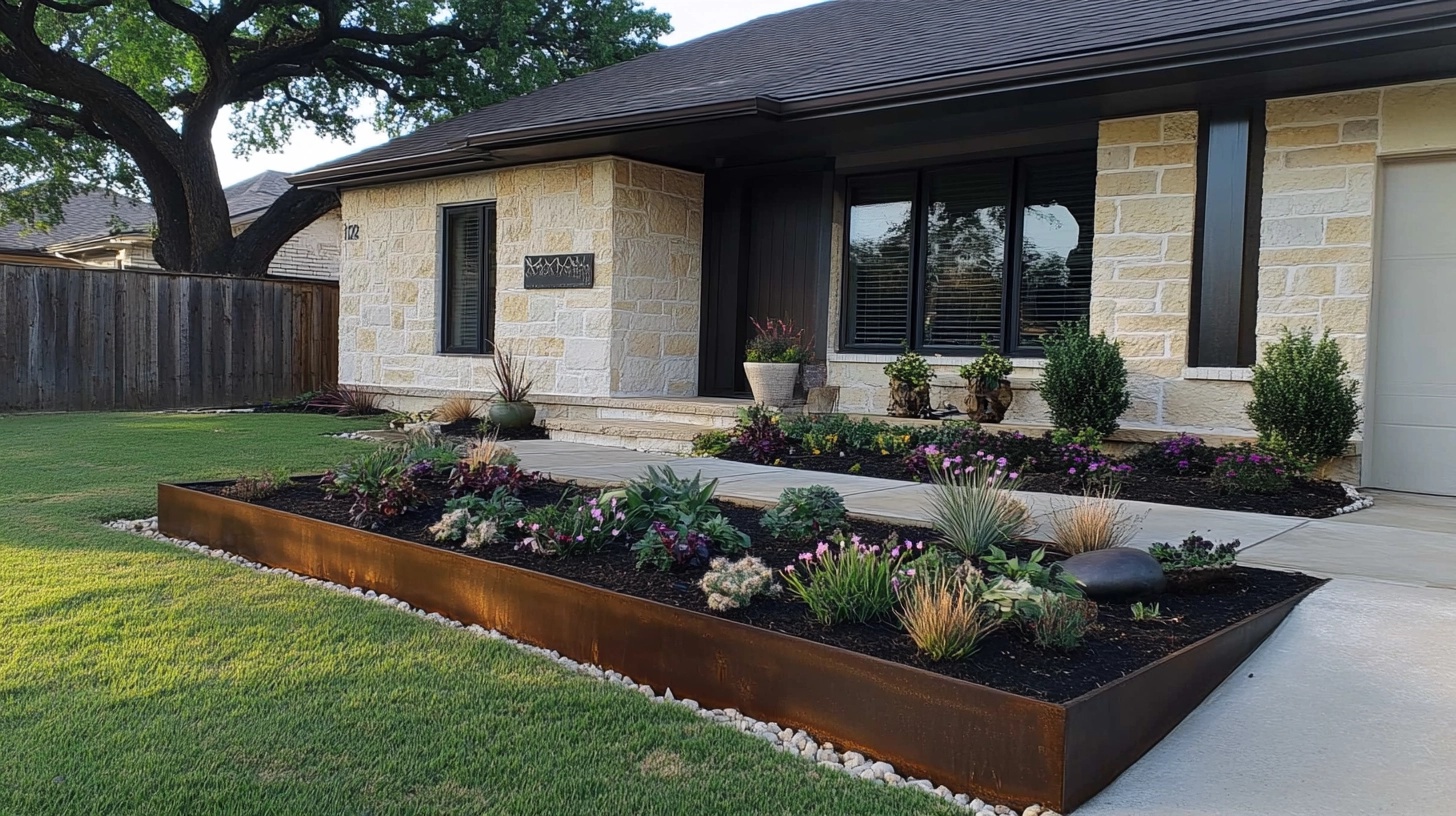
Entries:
{"x":941,"y":258}
{"x":467,"y":271}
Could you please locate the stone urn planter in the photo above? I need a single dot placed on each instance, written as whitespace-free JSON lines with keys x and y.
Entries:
{"x":908,"y":401}
{"x":772,"y":383}
{"x":512,"y":415}
{"x":988,"y":405}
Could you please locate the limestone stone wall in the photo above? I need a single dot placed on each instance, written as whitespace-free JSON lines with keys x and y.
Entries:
{"x":643,"y":224}
{"x":658,"y":228}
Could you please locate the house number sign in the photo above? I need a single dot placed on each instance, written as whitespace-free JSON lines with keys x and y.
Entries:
{"x":576,"y":271}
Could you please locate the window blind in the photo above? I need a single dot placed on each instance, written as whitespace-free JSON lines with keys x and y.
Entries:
{"x":1056,"y":243}
{"x":881,"y":236}
{"x":965,"y":245}
{"x":469,"y":279}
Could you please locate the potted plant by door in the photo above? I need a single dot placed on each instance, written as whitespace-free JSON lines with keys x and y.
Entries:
{"x":772,"y":361}
{"x":510,"y":409}
{"x":988,"y":391}
{"x":909,"y":385}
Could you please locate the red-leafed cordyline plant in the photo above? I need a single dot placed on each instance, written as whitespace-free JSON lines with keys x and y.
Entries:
{"x":776,"y":341}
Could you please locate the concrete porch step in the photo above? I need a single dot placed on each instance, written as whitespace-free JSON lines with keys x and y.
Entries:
{"x":702,"y":412}
{"x":636,"y":434}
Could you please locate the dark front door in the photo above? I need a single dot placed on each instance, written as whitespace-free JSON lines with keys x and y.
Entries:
{"x":765,"y":255}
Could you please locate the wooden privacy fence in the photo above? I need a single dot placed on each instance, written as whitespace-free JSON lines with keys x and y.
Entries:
{"x":101,"y":339}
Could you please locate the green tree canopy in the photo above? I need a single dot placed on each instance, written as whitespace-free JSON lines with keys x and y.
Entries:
{"x":125,"y":94}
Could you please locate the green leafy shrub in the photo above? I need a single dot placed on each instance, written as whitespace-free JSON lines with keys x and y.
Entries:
{"x":805,"y":513}
{"x":1084,"y":382}
{"x":478,"y":521}
{"x":1305,"y":404}
{"x":734,"y":584}
{"x":847,"y":580}
{"x":379,"y":483}
{"x":909,"y":368}
{"x":989,"y":369}
{"x":662,"y":495}
{"x":1033,"y":571}
{"x":712,"y":443}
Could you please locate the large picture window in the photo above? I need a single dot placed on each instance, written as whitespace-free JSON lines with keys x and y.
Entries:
{"x":943,"y":258}
{"x":467,"y":260}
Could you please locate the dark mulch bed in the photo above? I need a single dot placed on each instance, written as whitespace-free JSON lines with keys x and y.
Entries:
{"x":1306,"y":498}
{"x":1006,"y":660}
{"x":477,"y":427}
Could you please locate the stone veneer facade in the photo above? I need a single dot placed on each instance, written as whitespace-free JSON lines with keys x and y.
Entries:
{"x":1316,"y":248}
{"x":635,"y":332}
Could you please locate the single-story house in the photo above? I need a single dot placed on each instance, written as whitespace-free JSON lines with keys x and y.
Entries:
{"x":107,"y":230}
{"x":1192,"y":176}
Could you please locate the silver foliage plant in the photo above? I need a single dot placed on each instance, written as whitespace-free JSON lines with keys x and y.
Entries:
{"x":734,"y":584}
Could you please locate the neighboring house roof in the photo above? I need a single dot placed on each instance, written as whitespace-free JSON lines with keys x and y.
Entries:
{"x":256,"y":194}
{"x":86,"y":216}
{"x":98,"y":215}
{"x":842,"y":47}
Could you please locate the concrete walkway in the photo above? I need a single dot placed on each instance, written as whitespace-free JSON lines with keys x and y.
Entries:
{"x":1347,"y":708}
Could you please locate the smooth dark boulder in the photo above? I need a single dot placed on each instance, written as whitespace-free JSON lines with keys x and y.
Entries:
{"x":1120,"y":573}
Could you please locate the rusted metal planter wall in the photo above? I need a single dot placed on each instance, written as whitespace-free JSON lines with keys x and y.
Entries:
{"x":1000,"y":746}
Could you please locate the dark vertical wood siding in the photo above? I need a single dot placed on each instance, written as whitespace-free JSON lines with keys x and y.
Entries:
{"x":766,"y":254}
{"x":99,"y":339}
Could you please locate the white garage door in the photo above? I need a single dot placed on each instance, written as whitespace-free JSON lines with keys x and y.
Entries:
{"x":1411,"y":438}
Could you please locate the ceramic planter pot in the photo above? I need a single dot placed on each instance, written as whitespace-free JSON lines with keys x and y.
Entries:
{"x":772,"y":383}
{"x":512,"y":414}
{"x":908,"y":401}
{"x":988,"y":404}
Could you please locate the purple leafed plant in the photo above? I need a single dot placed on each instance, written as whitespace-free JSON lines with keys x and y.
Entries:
{"x":483,"y":479}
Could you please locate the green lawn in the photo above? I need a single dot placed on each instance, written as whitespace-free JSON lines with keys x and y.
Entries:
{"x":138,"y":678}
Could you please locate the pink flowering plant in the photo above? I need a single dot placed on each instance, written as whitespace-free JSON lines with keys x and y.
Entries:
{"x":972,"y":506}
{"x":1246,"y":470}
{"x":1089,"y":466}
{"x":845,"y":579}
{"x":573,"y":526}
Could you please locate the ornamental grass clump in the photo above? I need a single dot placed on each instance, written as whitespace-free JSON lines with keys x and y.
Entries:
{"x":946,"y":617}
{"x":1305,"y":404}
{"x":733,"y":585}
{"x":972,"y":506}
{"x":1063,"y":622}
{"x":805,"y":513}
{"x":845,"y":580}
{"x":1097,"y":522}
{"x":1084,"y":381}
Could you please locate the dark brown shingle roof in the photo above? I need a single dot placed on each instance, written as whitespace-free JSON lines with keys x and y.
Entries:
{"x":89,"y":215}
{"x":841,"y":46}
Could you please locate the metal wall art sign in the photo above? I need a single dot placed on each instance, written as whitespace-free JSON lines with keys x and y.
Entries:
{"x":577,"y":271}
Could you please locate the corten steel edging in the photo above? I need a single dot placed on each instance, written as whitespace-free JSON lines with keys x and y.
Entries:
{"x":973,"y":738}
{"x":1110,"y":728}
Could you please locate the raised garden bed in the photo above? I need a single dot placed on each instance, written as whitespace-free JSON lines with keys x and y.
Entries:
{"x":1010,"y":725}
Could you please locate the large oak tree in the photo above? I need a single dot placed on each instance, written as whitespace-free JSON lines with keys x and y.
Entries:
{"x":125,"y":94}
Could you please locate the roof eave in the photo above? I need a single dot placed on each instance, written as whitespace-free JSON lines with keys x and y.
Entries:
{"x":1271,"y":39}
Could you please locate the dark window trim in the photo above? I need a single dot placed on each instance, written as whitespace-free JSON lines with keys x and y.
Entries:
{"x":1227,"y":338}
{"x":1009,"y":346}
{"x":482,"y":345}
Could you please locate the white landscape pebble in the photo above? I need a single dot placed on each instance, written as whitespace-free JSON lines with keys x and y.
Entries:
{"x":1358,"y":501}
{"x":796,"y":742}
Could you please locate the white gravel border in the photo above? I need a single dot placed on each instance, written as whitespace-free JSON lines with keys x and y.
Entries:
{"x":796,"y":742}
{"x":1358,"y":501}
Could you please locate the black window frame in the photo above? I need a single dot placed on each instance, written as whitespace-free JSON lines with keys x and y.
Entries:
{"x":1017,"y":166}
{"x":486,"y":329}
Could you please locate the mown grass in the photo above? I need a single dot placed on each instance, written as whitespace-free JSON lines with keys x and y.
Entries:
{"x":139,"y":678}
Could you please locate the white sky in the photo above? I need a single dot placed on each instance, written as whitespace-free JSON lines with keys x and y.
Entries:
{"x":690,"y":19}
